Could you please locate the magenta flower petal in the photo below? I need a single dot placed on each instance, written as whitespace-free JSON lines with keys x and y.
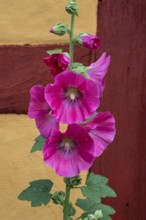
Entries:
{"x":41,"y":112}
{"x":70,"y":152}
{"x":57,"y":63}
{"x":98,"y":70}
{"x":38,"y":104}
{"x":90,"y":41}
{"x":102,"y":131}
{"x":72,"y":97}
{"x":47,"y":124}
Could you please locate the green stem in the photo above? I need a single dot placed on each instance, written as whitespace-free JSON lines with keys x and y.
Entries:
{"x":71,"y":47}
{"x":66,"y":202}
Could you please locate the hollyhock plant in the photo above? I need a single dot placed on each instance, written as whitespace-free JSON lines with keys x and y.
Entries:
{"x":72,"y":100}
{"x":72,"y":97}
{"x":41,"y":111}
{"x":70,"y":152}
{"x":57,"y":63}
{"x":97,"y":71}
{"x":102,"y":130}
{"x":89,"y":41}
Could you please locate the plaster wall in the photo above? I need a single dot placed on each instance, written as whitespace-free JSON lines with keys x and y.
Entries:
{"x":29,"y":22}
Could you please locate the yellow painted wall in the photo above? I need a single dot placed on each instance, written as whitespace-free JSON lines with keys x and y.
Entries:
{"x":29,"y":21}
{"x":18,"y":167}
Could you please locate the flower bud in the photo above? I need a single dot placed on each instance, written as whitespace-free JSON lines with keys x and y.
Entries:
{"x":98,"y":214}
{"x":72,"y":8}
{"x":91,"y":217}
{"x":58,"y":197}
{"x":57,"y":63}
{"x":59,"y":29}
{"x":87,"y":40}
{"x":74,"y":181}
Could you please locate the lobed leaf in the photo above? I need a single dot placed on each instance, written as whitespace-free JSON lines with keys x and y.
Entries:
{"x":85,"y":204}
{"x":100,"y":191}
{"x":38,"y":193}
{"x":96,"y":187}
{"x":40,"y":140}
{"x":93,"y":179}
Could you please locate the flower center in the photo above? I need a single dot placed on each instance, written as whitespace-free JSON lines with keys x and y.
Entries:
{"x":67,"y":144}
{"x":72,"y":93}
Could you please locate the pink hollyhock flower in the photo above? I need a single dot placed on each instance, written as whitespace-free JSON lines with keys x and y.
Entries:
{"x":72,"y":97}
{"x":98,"y":70}
{"x":41,"y":112}
{"x":88,"y":40}
{"x":102,"y":131}
{"x":70,"y":152}
{"x":57,"y":63}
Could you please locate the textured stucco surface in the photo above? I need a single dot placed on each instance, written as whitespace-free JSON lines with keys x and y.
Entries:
{"x":18,"y":167}
{"x":28,"y":22}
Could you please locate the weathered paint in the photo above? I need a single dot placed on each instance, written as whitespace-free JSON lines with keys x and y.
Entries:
{"x":122,"y":27}
{"x":28,"y":22}
{"x":18,"y":167}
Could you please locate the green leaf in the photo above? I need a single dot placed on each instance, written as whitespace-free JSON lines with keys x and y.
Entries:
{"x":89,"y":206}
{"x":38,"y":193}
{"x":96,"y":187}
{"x":40,"y":140}
{"x":72,"y":210}
{"x":94,"y":179}
{"x":58,"y":50}
{"x":106,"y":217}
{"x":106,"y":209}
{"x":100,"y":191}
{"x":85,"y":204}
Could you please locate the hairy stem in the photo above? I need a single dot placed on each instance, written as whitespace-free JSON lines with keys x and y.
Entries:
{"x":71,"y":46}
{"x":66,"y":202}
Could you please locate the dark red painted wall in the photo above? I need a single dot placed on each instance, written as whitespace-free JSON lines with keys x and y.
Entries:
{"x":21,"y":67}
{"x":122,"y":27}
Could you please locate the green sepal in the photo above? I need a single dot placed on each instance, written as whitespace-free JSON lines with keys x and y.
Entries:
{"x":38,"y":193}
{"x":73,"y":181}
{"x":40,"y":140}
{"x":76,"y":65}
{"x":77,"y":39}
{"x":58,"y":50}
{"x":58,"y":197}
{"x":82,"y":70}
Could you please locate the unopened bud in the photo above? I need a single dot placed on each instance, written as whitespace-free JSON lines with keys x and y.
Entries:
{"x":59,"y":29}
{"x":72,"y":8}
{"x":98,"y":214}
{"x":74,"y":181}
{"x":89,"y":41}
{"x":58,"y":197}
{"x":91,"y":217}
